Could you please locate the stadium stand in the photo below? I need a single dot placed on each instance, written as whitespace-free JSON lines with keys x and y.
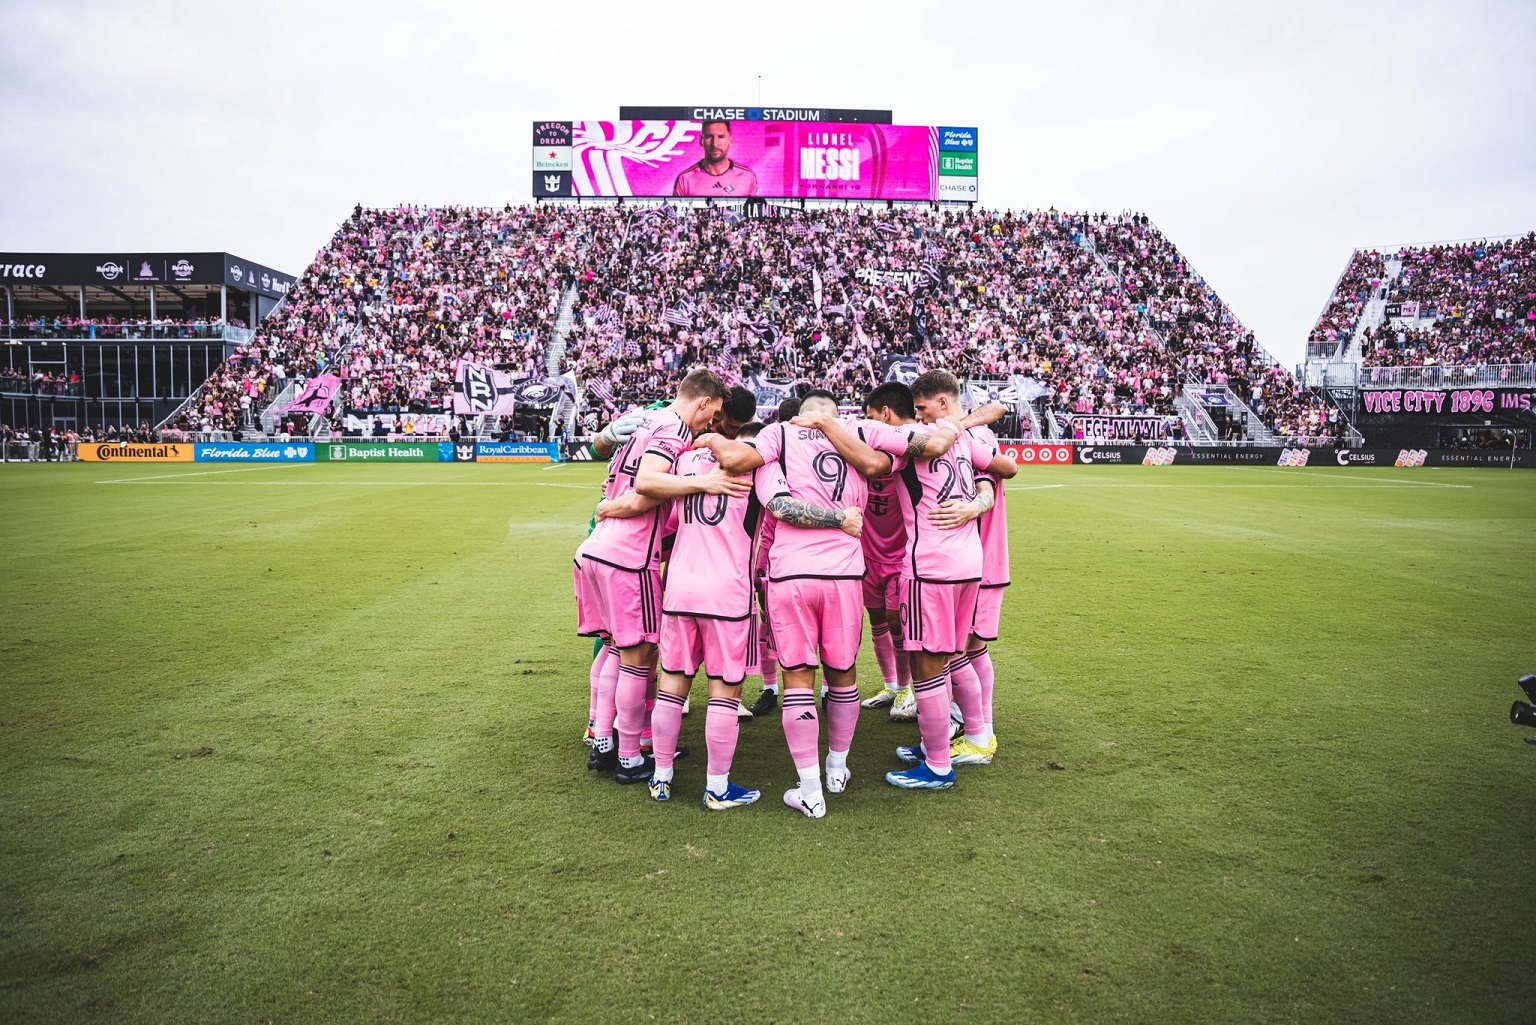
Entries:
{"x":1101,"y":310}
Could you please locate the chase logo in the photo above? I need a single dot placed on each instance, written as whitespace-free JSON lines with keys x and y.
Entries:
{"x":959,"y":189}
{"x":961,"y":139}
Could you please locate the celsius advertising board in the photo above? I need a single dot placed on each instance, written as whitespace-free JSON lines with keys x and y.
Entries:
{"x":743,"y":159}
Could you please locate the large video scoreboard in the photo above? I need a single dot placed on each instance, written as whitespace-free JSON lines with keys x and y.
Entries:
{"x":774,"y":159}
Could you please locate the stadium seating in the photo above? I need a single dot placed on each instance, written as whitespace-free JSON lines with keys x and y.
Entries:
{"x":1101,"y":309}
{"x":1464,"y":304}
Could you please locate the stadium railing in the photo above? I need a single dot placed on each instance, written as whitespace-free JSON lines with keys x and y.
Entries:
{"x":1479,"y":375}
{"x":127,"y":332}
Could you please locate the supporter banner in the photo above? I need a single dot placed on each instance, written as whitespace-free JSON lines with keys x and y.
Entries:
{"x":394,"y":423}
{"x":1121,"y":428}
{"x":379,"y":451}
{"x":753,"y":158}
{"x":769,"y":393}
{"x":1030,"y":454}
{"x":516,"y":452}
{"x":130,"y":452}
{"x":254,"y":452}
{"x":896,"y":367}
{"x":317,"y":395}
{"x":908,"y":279}
{"x":545,"y":392}
{"x":480,"y":390}
{"x":716,"y":110}
{"x":1454,"y":402}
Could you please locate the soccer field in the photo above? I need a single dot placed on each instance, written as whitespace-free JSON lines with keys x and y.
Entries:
{"x":302,"y":744}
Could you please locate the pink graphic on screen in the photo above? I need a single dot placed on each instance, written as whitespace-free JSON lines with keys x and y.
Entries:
{"x":755,"y":158}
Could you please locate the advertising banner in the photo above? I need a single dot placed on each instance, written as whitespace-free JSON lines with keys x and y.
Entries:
{"x":255,"y":452}
{"x":379,"y":451}
{"x":317,"y":395}
{"x":1120,"y":428}
{"x":697,"y":112}
{"x":1042,"y":454}
{"x":737,"y":159}
{"x":456,"y":452}
{"x":516,"y":452}
{"x":130,"y":452}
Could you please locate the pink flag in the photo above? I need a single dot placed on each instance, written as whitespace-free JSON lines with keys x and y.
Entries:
{"x":479,"y":389}
{"x":317,"y":395}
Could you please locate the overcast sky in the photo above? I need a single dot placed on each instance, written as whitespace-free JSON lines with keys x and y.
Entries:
{"x":1267,"y":140}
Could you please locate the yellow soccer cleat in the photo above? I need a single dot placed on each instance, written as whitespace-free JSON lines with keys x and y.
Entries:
{"x":963,"y":752}
{"x":904,"y":708}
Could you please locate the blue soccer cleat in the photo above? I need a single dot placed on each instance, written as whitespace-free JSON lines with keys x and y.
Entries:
{"x":920,"y":777}
{"x":661,"y":789}
{"x":913,"y":755}
{"x":734,"y":797}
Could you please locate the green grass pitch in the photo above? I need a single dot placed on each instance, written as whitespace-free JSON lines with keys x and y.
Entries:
{"x":301,"y":744}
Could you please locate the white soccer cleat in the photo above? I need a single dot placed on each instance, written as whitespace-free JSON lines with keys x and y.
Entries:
{"x":810,"y":809}
{"x":837,"y":780}
{"x":904,"y":708}
{"x":885,"y":697}
{"x":742,"y":711}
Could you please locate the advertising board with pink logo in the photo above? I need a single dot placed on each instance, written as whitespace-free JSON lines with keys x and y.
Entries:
{"x":734,"y":160}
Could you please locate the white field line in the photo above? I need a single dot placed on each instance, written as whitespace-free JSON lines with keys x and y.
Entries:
{"x":195,"y":473}
{"x":594,"y":487}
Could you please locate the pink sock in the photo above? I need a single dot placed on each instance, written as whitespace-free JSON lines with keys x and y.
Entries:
{"x":933,"y":720}
{"x":768,"y":660}
{"x":650,"y":705}
{"x":802,"y":728}
{"x":721,"y":727}
{"x":607,"y":695}
{"x":842,"y":717}
{"x":667,"y":722}
{"x":981,"y":661}
{"x":599,"y":666}
{"x":629,"y":697}
{"x":965,"y":685}
{"x":885,"y":651}
{"x":903,"y":664}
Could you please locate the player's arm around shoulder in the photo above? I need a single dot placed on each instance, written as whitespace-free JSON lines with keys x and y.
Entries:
{"x":733,"y":456}
{"x":656,"y":481}
{"x":631,"y":504}
{"x":798,"y":513}
{"x":854,"y":450}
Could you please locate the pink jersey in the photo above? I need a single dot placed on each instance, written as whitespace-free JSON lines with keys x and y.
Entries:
{"x":993,"y":522}
{"x":814,"y":473}
{"x":734,"y":181}
{"x":934,"y":555}
{"x":635,"y":543}
{"x":765,"y":543}
{"x":885,"y":533}
{"x":712,"y":571}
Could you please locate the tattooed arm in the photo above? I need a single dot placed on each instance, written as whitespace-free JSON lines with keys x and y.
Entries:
{"x":803,"y":514}
{"x":954,"y":513}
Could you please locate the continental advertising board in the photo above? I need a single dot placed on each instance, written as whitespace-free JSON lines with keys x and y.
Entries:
{"x":730,"y":160}
{"x":129,"y":452}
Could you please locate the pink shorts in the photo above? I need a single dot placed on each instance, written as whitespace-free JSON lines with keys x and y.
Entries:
{"x":621,"y":605}
{"x":989,"y":612}
{"x":882,"y":587}
{"x":816,"y":617}
{"x":937,"y":618}
{"x":726,"y":648}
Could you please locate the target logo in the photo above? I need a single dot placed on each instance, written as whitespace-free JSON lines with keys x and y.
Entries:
{"x":1039,"y":455}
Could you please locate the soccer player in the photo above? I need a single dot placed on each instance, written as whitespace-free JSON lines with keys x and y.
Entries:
{"x":940,"y":495}
{"x":814,"y":598}
{"x":709,"y":618}
{"x":977,"y":659}
{"x":768,"y":656}
{"x":885,"y":543}
{"x":717,"y":175}
{"x":617,"y":574}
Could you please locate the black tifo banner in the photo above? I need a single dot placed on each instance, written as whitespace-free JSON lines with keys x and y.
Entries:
{"x":1028,"y":454}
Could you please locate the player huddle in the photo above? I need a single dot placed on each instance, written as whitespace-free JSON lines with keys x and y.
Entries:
{"x":776,"y":540}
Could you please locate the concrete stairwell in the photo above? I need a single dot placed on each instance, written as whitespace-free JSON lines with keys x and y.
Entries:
{"x":564,"y":318}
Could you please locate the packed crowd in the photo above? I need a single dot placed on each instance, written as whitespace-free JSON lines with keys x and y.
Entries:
{"x":1476,"y":305}
{"x":1101,"y":310}
{"x":1362,"y":279}
{"x":115,"y":327}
